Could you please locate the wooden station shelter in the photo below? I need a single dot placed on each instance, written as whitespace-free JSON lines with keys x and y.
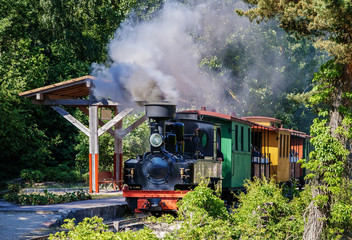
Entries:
{"x":77,"y":93}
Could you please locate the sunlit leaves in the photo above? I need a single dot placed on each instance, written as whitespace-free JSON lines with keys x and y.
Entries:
{"x":325,"y":21}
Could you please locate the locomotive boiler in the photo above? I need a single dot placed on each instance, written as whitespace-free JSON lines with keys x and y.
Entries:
{"x":182,"y":152}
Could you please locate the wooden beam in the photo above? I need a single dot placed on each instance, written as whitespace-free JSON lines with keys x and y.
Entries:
{"x":101,"y":123}
{"x":88,"y":84}
{"x":39,"y":96}
{"x":134,"y":125}
{"x":118,"y":153}
{"x":114,"y":121}
{"x":71,"y":119}
{"x":93,"y":150}
{"x":75,"y":102}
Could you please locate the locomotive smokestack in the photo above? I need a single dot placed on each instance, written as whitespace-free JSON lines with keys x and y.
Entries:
{"x":160,"y":110}
{"x":158,"y":113}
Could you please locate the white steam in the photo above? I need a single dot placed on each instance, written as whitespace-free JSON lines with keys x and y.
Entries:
{"x":168,"y":58}
{"x":153,"y":60}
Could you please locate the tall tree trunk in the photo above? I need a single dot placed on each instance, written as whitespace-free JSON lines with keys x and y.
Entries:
{"x":346,"y":87}
{"x":317,"y":215}
{"x":313,"y":228}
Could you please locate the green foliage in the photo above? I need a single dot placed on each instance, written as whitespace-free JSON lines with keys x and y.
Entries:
{"x":32,"y":175}
{"x":46,"y":198}
{"x":322,"y":92}
{"x":340,"y":220}
{"x":94,"y":228}
{"x":202,"y":199}
{"x":264,"y":213}
{"x":327,"y":166}
{"x":328,"y":162}
{"x":13,"y":189}
{"x":203,"y":216}
{"x":61,"y":173}
{"x":325,"y":22}
{"x":164,"y":218}
{"x":325,"y":159}
{"x":43,"y":43}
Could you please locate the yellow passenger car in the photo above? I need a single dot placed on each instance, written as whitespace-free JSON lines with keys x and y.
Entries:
{"x":274,"y":141}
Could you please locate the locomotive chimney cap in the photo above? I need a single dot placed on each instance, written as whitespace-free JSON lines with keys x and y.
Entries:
{"x":160,"y":110}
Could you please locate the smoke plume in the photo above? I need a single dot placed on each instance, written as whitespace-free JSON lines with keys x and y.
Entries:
{"x":153,"y":60}
{"x":198,"y":53}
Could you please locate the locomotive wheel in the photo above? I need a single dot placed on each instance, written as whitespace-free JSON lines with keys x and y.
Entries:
{"x":132,"y":204}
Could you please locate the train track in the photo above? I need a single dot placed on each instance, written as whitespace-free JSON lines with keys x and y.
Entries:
{"x":116,"y":226}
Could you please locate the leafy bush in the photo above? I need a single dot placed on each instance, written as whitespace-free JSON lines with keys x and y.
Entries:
{"x":203,"y":215}
{"x":61,"y":173}
{"x":264,"y":213}
{"x":46,"y":198}
{"x":340,"y":220}
{"x":164,"y":218}
{"x":93,"y":228}
{"x":32,"y":175}
{"x":203,"y":199}
{"x":13,"y":189}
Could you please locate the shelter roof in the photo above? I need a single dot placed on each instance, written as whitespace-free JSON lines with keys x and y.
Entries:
{"x":73,"y":92}
{"x":70,"y":89}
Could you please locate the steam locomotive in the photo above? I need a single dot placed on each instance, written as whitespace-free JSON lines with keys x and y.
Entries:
{"x":191,"y":145}
{"x":182,"y":151}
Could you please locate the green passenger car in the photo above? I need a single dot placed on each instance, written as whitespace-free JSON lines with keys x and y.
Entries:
{"x":236,"y":148}
{"x":235,"y":145}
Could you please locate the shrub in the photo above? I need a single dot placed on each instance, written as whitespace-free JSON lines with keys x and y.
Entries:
{"x":203,"y":199}
{"x":61,"y":173}
{"x":32,"y":175}
{"x":46,"y":198}
{"x":94,"y":228}
{"x":164,"y":218}
{"x":13,"y":189}
{"x":204,"y":216}
{"x":340,"y":220}
{"x":264,"y":213}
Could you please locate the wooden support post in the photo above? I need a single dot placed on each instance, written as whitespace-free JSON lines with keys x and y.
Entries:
{"x":118,"y":159}
{"x":93,"y":150}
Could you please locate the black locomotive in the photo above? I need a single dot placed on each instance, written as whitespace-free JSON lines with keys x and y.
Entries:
{"x":182,"y":151}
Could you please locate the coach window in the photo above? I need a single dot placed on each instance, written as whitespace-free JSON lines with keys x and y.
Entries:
{"x":242,"y":139}
{"x":236,"y":137}
{"x":288,"y":146}
{"x":280,"y":147}
{"x":249,"y":140}
{"x":284,"y":146}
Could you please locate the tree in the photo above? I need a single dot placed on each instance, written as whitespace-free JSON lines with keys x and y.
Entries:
{"x":41,"y":43}
{"x":328,"y":24}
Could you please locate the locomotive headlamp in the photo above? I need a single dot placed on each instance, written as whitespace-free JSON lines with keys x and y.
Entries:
{"x":156,"y":140}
